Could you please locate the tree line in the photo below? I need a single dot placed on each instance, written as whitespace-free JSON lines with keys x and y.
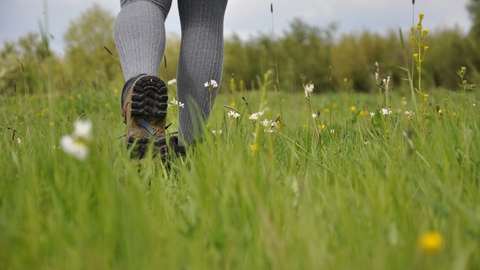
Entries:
{"x":302,"y":53}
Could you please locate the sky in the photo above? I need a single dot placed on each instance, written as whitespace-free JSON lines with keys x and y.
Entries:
{"x":249,"y":17}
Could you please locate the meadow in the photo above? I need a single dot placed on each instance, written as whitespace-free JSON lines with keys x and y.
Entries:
{"x":323,"y":179}
{"x":358,"y":186}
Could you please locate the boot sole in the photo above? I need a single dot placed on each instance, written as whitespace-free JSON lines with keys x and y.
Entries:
{"x":149,"y":102}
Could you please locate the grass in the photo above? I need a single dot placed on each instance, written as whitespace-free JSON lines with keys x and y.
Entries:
{"x":361,"y":198}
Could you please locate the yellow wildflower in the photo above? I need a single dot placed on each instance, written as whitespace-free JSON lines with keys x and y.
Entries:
{"x":115,"y":91}
{"x":352,"y":108}
{"x":51,"y":124}
{"x":415,"y":55}
{"x":424,"y":32}
{"x":345,"y":80}
{"x":254,"y":147}
{"x":431,"y":242}
{"x":323,"y":127}
{"x":327,"y":110}
{"x":79,"y":96}
{"x":425,"y":48}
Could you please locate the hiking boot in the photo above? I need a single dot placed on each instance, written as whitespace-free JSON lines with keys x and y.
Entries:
{"x":178,"y":150}
{"x":144,"y":109}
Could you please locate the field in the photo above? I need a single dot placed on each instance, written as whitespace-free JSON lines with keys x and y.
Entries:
{"x":352,"y":188}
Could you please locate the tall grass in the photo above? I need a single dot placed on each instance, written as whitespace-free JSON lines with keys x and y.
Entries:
{"x":360,"y":200}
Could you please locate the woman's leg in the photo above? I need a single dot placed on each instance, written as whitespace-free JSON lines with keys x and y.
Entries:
{"x":140,"y":35}
{"x":201,"y":60}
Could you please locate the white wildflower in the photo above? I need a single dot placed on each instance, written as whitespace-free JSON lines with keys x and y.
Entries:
{"x":314,"y":115}
{"x":372,"y":114}
{"x":265,"y":123}
{"x":409,"y":113}
{"x":257,"y":115}
{"x":174,"y":103}
{"x":76,"y":144}
{"x":404,"y":102}
{"x":269,"y":124}
{"x":233,"y":114}
{"x":172,"y":81}
{"x":19,"y":141}
{"x":211,"y":84}
{"x":254,"y":117}
{"x":217,"y":132}
{"x":386,"y":111}
{"x":332,"y":131}
{"x":74,"y":147}
{"x":83,"y":129}
{"x":308,"y":89}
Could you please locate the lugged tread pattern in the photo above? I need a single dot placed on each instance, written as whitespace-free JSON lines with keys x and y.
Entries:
{"x":149,"y":97}
{"x":149,"y":102}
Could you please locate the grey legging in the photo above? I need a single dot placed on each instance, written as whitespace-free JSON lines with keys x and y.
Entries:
{"x":140,"y":39}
